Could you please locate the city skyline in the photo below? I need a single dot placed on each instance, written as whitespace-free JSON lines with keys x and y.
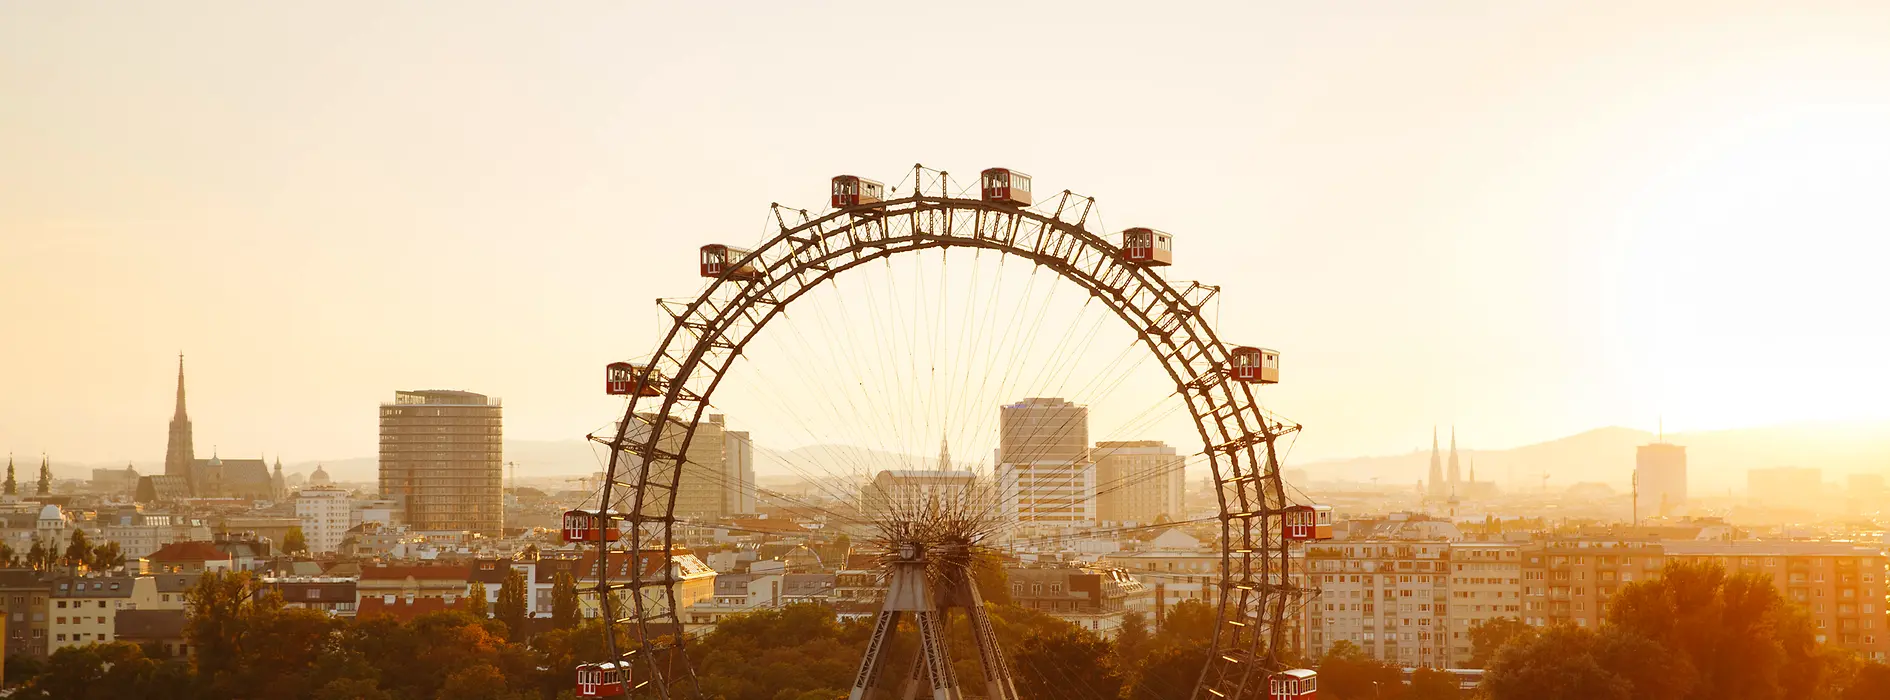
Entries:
{"x":1609,"y":287}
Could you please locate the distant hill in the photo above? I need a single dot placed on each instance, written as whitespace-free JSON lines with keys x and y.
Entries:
{"x":1716,"y":460}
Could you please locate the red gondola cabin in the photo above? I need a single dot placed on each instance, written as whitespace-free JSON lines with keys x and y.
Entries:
{"x":583,"y":526}
{"x":718,"y":259}
{"x":1303,"y":523}
{"x":851,"y":191}
{"x":1007,"y":186}
{"x":1293,"y":684}
{"x":1256,"y":365}
{"x":626,"y":379}
{"x":1147,"y":246}
{"x":606,"y":680}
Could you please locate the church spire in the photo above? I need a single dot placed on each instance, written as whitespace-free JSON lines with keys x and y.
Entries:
{"x":1455,"y":474}
{"x":180,"y":454}
{"x":944,"y":453}
{"x":180,"y":414}
{"x":1435,"y":486}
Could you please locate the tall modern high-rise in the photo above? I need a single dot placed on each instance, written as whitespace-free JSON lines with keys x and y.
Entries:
{"x":740,"y":453}
{"x":1044,"y":474}
{"x":442,"y":456}
{"x":1660,"y":473}
{"x":1138,"y":481}
{"x":709,"y":485}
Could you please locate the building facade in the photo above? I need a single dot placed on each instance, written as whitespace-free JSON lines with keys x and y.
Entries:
{"x":326,"y":514}
{"x":1391,"y":598}
{"x":1138,"y":482}
{"x":1660,"y":473}
{"x":913,"y":491}
{"x":1570,"y":581}
{"x":1841,"y":585}
{"x":1485,"y":584}
{"x":442,"y":455}
{"x":1045,"y":479}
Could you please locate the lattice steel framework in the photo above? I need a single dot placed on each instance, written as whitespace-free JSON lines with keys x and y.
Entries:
{"x":1256,"y":587}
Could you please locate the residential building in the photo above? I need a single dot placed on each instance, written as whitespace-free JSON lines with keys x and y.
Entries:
{"x":694,"y":580}
{"x":388,"y":583}
{"x":26,"y":596}
{"x":1485,"y":584}
{"x":1569,"y":581}
{"x":915,"y":491}
{"x":442,"y":454}
{"x":1045,"y":479}
{"x":1840,"y":584}
{"x":1660,"y":472}
{"x":162,"y":591}
{"x":1094,"y":599}
{"x":338,"y":596}
{"x":162,"y":629}
{"x":140,"y":534}
{"x":326,"y":514}
{"x":187,"y":558}
{"x":1138,"y":482}
{"x":740,"y":453}
{"x":1389,"y":597}
{"x":85,"y":607}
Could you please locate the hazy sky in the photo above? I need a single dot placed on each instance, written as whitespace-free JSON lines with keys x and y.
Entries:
{"x":1526,"y":218}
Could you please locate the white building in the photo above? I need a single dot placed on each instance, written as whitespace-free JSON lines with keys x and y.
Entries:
{"x":1138,"y":482}
{"x":913,"y":491}
{"x":326,"y":515}
{"x":1389,"y":597}
{"x":1045,"y":479}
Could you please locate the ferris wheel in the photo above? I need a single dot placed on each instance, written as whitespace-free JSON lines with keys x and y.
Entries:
{"x":941,"y":381}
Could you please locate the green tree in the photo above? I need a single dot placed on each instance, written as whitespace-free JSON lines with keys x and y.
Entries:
{"x":8,"y":557}
{"x":1066,"y":661}
{"x":1872,"y":682}
{"x":1188,"y":622}
{"x":45,"y":477}
{"x":1733,"y":635}
{"x":991,"y":578}
{"x":224,"y":606}
{"x":564,"y":601}
{"x":1167,"y":673}
{"x":106,"y":557}
{"x":1132,"y":639}
{"x":1346,"y":672}
{"x":1431,"y":684}
{"x":78,"y":550}
{"x":510,"y":609}
{"x":1559,"y":664}
{"x":36,"y":555}
{"x":294,"y":542}
{"x":476,"y":601}
{"x":102,"y":671}
{"x":1489,"y":636}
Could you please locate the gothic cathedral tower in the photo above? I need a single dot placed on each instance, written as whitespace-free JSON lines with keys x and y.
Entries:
{"x":180,"y":454}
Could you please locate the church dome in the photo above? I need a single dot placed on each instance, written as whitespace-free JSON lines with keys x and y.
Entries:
{"x":319,"y":478}
{"x":51,"y":512}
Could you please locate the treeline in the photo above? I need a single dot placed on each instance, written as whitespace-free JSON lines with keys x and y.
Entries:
{"x":247,"y":644}
{"x":1696,"y":633}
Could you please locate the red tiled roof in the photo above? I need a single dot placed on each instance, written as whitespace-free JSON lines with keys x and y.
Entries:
{"x":189,"y":551}
{"x":419,"y":573}
{"x":405,"y":610}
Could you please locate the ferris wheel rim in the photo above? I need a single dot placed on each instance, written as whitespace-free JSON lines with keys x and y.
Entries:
{"x":1261,"y":499}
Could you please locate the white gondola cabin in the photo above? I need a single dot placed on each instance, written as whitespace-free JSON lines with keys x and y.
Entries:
{"x":718,"y":259}
{"x":1293,"y":684}
{"x":1304,"y":523}
{"x":1147,"y":246}
{"x":585,"y":525}
{"x":852,"y":191}
{"x":1256,"y":365}
{"x":627,"y":379}
{"x":606,"y":680}
{"x":1007,"y":186}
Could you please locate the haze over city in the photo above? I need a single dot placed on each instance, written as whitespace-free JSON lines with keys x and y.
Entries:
{"x":1526,"y":221}
{"x":1351,"y":350}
